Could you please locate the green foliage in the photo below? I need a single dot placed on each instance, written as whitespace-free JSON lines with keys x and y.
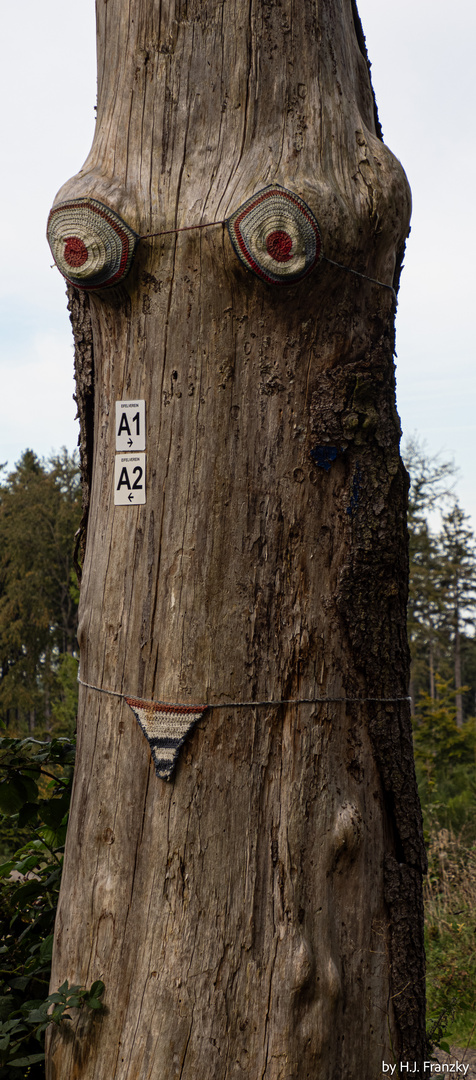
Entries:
{"x":35,"y":791}
{"x":442,"y":587}
{"x":458,"y":567}
{"x":442,"y":604}
{"x":445,"y":756}
{"x":40,"y":506}
{"x":450,"y":930}
{"x":429,"y":491}
{"x":18,"y":1033}
{"x":64,"y":701}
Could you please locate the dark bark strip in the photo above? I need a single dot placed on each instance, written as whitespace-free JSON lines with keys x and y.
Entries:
{"x":363,"y":48}
{"x":403,"y":896}
{"x":78,"y":307}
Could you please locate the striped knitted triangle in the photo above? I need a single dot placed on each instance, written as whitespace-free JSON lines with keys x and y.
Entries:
{"x":165,"y":727}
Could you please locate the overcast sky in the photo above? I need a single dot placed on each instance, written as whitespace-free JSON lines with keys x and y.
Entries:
{"x":422,"y":54}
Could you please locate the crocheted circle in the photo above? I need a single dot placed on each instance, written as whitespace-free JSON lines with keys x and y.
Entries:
{"x":91,"y":245}
{"x":276,"y":235}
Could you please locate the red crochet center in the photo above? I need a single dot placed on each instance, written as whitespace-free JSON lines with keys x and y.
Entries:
{"x":278,"y":245}
{"x":117,"y":229}
{"x":75,"y":252}
{"x":243,"y":248}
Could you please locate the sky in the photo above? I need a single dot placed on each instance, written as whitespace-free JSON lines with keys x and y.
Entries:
{"x":422,"y":55}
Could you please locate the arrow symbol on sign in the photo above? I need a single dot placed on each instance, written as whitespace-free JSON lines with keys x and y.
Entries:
{"x":130,"y":442}
{"x":130,"y":496}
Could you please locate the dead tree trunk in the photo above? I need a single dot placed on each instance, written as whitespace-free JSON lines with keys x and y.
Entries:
{"x":258,"y":916}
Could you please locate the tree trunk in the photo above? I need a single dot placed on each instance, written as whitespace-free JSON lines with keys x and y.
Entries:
{"x":260,"y":915}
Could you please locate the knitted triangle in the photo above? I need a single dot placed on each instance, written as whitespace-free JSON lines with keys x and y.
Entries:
{"x":165,"y":727}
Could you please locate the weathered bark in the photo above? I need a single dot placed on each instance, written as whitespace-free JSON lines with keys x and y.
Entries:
{"x":260,"y":915}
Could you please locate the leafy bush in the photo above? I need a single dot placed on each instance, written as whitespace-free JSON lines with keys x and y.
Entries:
{"x":445,"y":756}
{"x":35,"y":791}
{"x":17,"y":1033}
{"x":450,"y":929}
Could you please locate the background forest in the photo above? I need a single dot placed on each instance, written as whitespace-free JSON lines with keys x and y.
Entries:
{"x":40,"y":508}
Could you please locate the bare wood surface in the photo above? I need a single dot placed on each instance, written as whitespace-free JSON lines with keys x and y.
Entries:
{"x":260,"y":915}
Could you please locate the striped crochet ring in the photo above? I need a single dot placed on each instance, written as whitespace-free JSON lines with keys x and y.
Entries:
{"x":276,"y":235}
{"x":91,"y":245}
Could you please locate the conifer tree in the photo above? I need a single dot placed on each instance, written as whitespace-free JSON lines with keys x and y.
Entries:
{"x":39,"y":515}
{"x":442,"y":597}
{"x":458,"y":580}
{"x":429,"y":490}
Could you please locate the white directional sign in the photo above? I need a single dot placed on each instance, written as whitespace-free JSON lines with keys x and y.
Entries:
{"x":130,"y":425}
{"x":129,"y":479}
